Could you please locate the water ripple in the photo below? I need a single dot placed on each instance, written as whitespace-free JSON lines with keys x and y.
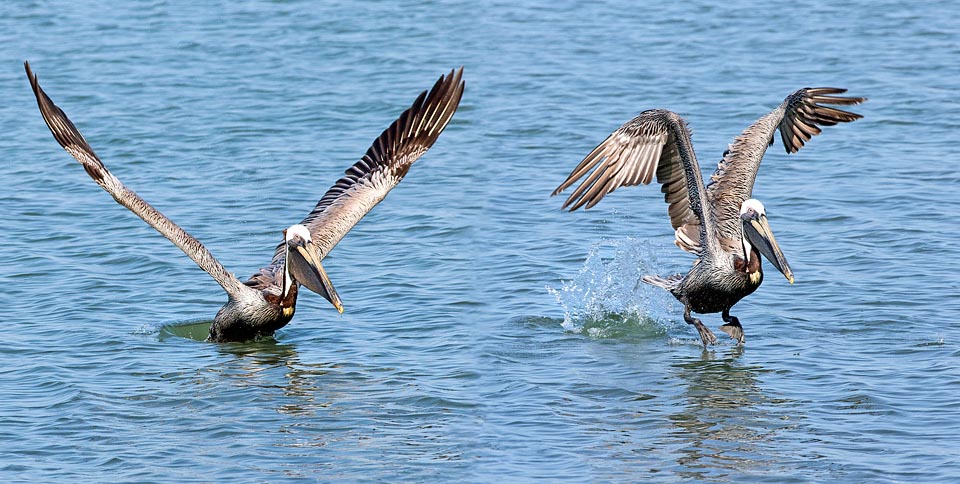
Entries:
{"x":487,"y":335}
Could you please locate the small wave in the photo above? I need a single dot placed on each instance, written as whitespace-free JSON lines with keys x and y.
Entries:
{"x":606,"y":299}
{"x":196,"y":329}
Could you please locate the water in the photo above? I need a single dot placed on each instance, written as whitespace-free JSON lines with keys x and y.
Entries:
{"x":487,"y":335}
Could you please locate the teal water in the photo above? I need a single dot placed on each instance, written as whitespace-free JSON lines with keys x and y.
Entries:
{"x":487,"y":336}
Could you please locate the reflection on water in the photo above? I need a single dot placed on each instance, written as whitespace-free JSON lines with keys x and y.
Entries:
{"x":430,"y":378}
{"x":264,"y":363}
{"x":258,"y":361}
{"x":726,"y":420}
{"x":274,"y":366}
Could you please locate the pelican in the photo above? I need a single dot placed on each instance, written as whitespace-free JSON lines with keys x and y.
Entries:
{"x":720,"y":223}
{"x":267,"y":300}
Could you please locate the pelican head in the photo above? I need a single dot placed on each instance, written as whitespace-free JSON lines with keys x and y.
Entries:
{"x":302,"y":265}
{"x":757,"y":233}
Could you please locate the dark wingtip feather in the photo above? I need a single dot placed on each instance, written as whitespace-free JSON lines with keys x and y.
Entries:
{"x":409,"y":136}
{"x":419,"y":125}
{"x":35,"y":86}
{"x":30,"y":76}
{"x":811,"y":107}
{"x":64,"y":131}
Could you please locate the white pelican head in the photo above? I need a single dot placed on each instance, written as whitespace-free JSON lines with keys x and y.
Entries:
{"x":757,"y":233}
{"x":302,"y":264}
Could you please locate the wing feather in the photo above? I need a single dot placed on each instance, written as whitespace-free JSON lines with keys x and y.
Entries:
{"x":799,"y":118}
{"x":657,"y":142}
{"x":74,"y":143}
{"x":381,"y":168}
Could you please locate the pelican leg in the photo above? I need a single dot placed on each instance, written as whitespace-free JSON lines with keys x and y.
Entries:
{"x":732,"y":327}
{"x":705,"y":334}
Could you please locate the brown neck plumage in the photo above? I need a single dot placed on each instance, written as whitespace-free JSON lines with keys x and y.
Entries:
{"x":751,"y":267}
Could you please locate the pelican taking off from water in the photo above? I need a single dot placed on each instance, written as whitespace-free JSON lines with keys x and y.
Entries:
{"x":719,"y":223}
{"x":266,"y":301}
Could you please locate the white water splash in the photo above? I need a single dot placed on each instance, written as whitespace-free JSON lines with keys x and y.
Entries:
{"x":147,"y":329}
{"x":607,"y":299}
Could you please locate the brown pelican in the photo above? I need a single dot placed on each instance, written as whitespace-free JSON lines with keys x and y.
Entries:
{"x":719,"y":223}
{"x":266,"y":301}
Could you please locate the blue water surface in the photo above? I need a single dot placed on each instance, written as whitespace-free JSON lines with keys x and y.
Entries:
{"x":487,"y":336}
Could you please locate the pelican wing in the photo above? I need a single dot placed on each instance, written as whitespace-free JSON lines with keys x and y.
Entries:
{"x":798,"y":118}
{"x":385,"y":163}
{"x":655,"y":142}
{"x":73,"y":142}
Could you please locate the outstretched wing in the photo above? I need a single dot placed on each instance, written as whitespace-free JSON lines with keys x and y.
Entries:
{"x":798,"y":118}
{"x":385,"y":163}
{"x":71,"y":140}
{"x":655,"y":142}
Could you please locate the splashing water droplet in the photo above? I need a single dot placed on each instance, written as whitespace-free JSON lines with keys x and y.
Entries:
{"x":607,"y":299}
{"x":147,"y":329}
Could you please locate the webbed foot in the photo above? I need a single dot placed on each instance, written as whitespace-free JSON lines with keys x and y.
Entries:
{"x":732,"y":328}
{"x":705,"y":334}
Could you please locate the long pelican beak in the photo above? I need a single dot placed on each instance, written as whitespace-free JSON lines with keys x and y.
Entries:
{"x":760,"y":236}
{"x":303,"y":261}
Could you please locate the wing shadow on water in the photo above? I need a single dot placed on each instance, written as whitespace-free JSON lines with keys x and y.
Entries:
{"x":726,"y":421}
{"x":606,"y":299}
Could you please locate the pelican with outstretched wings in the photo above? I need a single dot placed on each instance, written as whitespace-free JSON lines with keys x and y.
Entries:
{"x":720,"y":223}
{"x":266,"y":302}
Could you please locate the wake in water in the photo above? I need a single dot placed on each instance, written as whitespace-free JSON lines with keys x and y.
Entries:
{"x":606,"y":299}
